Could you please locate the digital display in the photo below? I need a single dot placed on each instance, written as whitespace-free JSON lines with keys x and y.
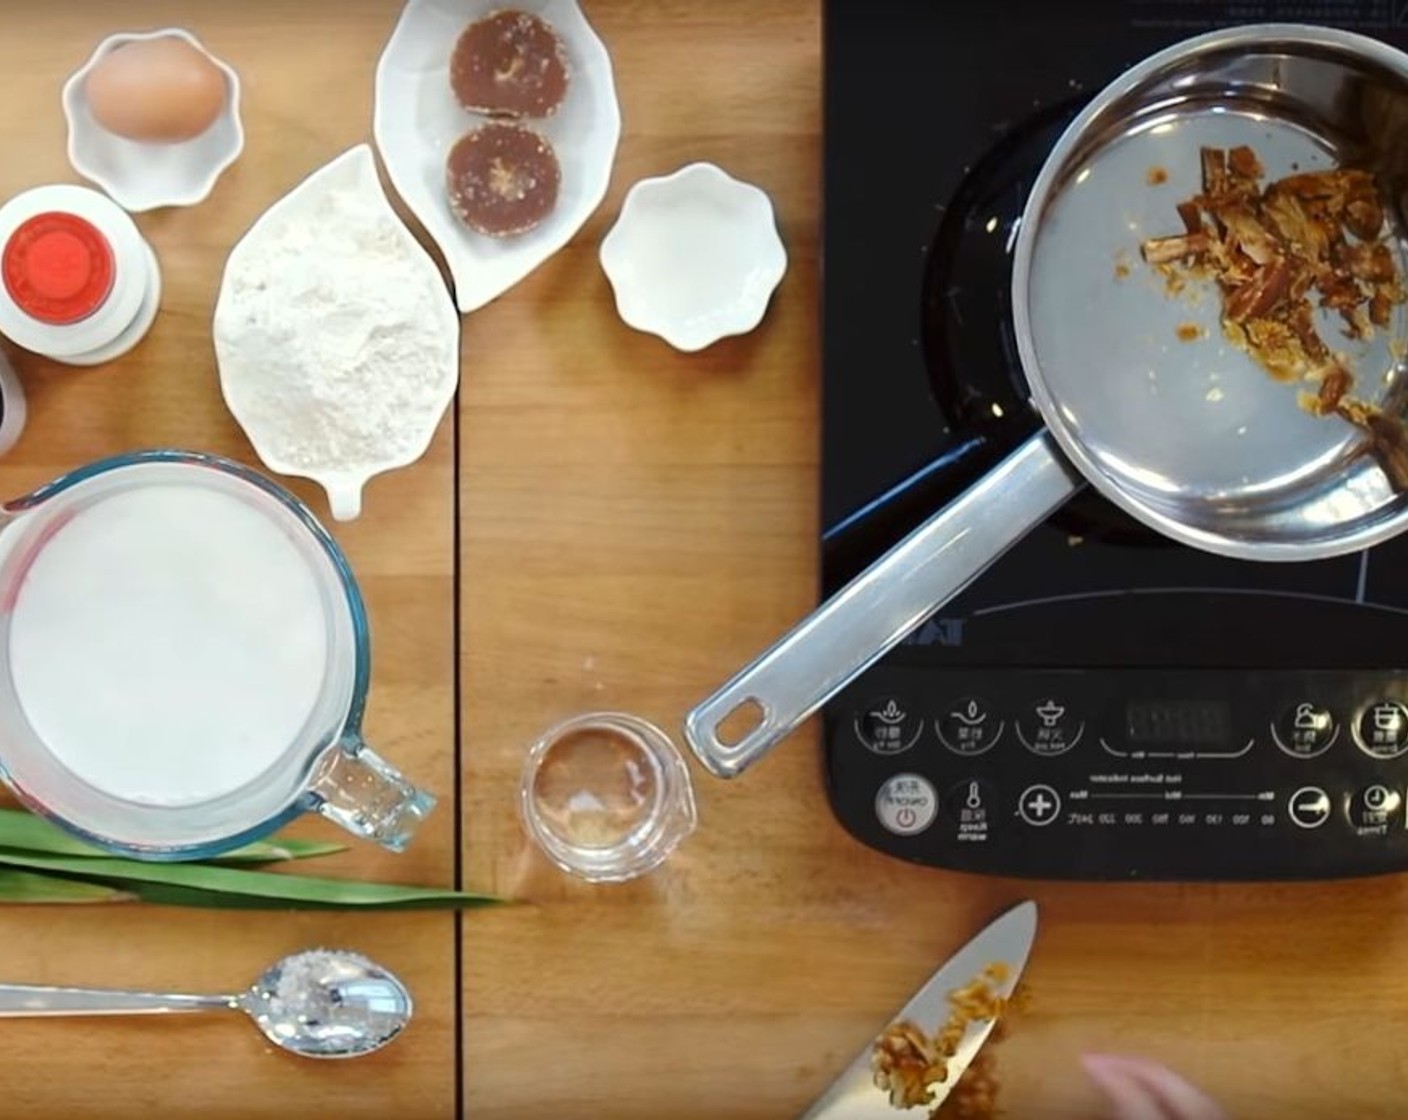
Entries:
{"x":1191,"y":723}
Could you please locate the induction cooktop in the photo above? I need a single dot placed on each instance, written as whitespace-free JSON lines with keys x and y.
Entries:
{"x":1101,"y":703}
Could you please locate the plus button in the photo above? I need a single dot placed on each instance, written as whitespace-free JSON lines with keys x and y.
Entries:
{"x":1039,"y":805}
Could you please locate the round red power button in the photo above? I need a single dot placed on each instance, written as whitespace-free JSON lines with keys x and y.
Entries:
{"x":58,"y":268}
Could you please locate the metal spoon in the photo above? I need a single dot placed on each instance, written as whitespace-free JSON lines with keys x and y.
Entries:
{"x":319,"y":1004}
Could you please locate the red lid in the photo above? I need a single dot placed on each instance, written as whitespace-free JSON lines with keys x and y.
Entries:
{"x":58,"y":268}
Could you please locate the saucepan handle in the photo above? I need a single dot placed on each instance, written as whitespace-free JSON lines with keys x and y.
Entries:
{"x":875,"y":611}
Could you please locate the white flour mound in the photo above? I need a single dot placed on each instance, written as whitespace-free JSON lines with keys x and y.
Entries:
{"x":337,"y":339}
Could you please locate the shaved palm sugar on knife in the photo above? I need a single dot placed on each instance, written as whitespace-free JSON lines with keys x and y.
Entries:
{"x":907,"y":1061}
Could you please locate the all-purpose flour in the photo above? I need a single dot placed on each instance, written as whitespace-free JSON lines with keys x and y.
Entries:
{"x":337,"y":339}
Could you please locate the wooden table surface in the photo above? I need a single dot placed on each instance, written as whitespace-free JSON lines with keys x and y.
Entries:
{"x":632,"y":525}
{"x":306,"y":72}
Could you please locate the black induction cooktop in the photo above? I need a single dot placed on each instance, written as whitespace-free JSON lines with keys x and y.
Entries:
{"x":1101,"y":703}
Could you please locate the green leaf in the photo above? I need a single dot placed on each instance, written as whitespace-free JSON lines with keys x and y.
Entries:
{"x":278,"y":850}
{"x":27,"y":887}
{"x":25,"y":831}
{"x":20,"y":829}
{"x":229,"y":886}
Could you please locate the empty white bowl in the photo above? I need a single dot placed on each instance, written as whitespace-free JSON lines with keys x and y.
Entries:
{"x":418,"y":120}
{"x":694,"y":256}
{"x":139,"y":176}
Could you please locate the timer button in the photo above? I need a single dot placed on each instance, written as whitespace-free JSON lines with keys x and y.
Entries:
{"x":969,"y":726}
{"x":1382,"y":729}
{"x":907,"y":804}
{"x":888,"y":726}
{"x":1048,"y":727}
{"x":1305,"y":730}
{"x":1374,"y":809}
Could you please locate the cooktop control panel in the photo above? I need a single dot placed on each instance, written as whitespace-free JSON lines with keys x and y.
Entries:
{"x":1126,"y":773}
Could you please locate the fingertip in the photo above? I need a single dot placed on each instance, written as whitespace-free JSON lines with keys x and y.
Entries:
{"x":1125,"y":1095}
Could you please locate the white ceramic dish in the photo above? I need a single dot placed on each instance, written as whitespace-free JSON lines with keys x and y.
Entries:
{"x":140,"y":177}
{"x":12,"y":406}
{"x":354,"y":170}
{"x":418,"y":120}
{"x":694,"y":256}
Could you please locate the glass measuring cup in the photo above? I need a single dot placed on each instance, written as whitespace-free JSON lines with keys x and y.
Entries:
{"x":135,"y":594}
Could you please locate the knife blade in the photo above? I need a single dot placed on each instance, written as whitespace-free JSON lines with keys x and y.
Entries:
{"x":1008,"y":940}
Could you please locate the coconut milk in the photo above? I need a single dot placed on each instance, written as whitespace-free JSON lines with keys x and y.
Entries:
{"x":169,"y":643}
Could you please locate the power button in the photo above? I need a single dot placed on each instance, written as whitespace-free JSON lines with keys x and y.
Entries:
{"x":907,"y":804}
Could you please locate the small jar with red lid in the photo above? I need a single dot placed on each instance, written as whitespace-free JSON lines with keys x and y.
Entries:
{"x":78,"y":282}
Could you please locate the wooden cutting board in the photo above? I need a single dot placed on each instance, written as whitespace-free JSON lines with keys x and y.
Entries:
{"x":635,"y":525}
{"x":307,"y":86}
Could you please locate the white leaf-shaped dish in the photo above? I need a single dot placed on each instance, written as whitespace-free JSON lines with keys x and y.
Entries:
{"x":418,"y":120}
{"x":694,"y":256}
{"x":296,"y":426}
{"x":140,"y":177}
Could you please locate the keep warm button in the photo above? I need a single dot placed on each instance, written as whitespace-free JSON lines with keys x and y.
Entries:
{"x":968,"y":810}
{"x":907,"y":804}
{"x":1374,"y":810}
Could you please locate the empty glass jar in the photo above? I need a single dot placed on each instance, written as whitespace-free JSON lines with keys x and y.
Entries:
{"x":606,"y":796}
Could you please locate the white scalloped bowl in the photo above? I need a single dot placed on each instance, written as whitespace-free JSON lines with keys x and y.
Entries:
{"x":694,"y":257}
{"x":139,"y":176}
{"x":418,"y":120}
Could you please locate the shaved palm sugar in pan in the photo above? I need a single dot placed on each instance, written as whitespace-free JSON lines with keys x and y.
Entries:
{"x":1277,"y":253}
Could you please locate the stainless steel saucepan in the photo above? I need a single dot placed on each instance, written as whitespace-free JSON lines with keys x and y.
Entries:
{"x":1193,"y":438}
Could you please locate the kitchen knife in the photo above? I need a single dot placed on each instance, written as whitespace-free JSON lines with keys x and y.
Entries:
{"x":1008,"y":940}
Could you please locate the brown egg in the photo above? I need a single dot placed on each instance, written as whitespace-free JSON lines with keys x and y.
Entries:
{"x":159,"y":91}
